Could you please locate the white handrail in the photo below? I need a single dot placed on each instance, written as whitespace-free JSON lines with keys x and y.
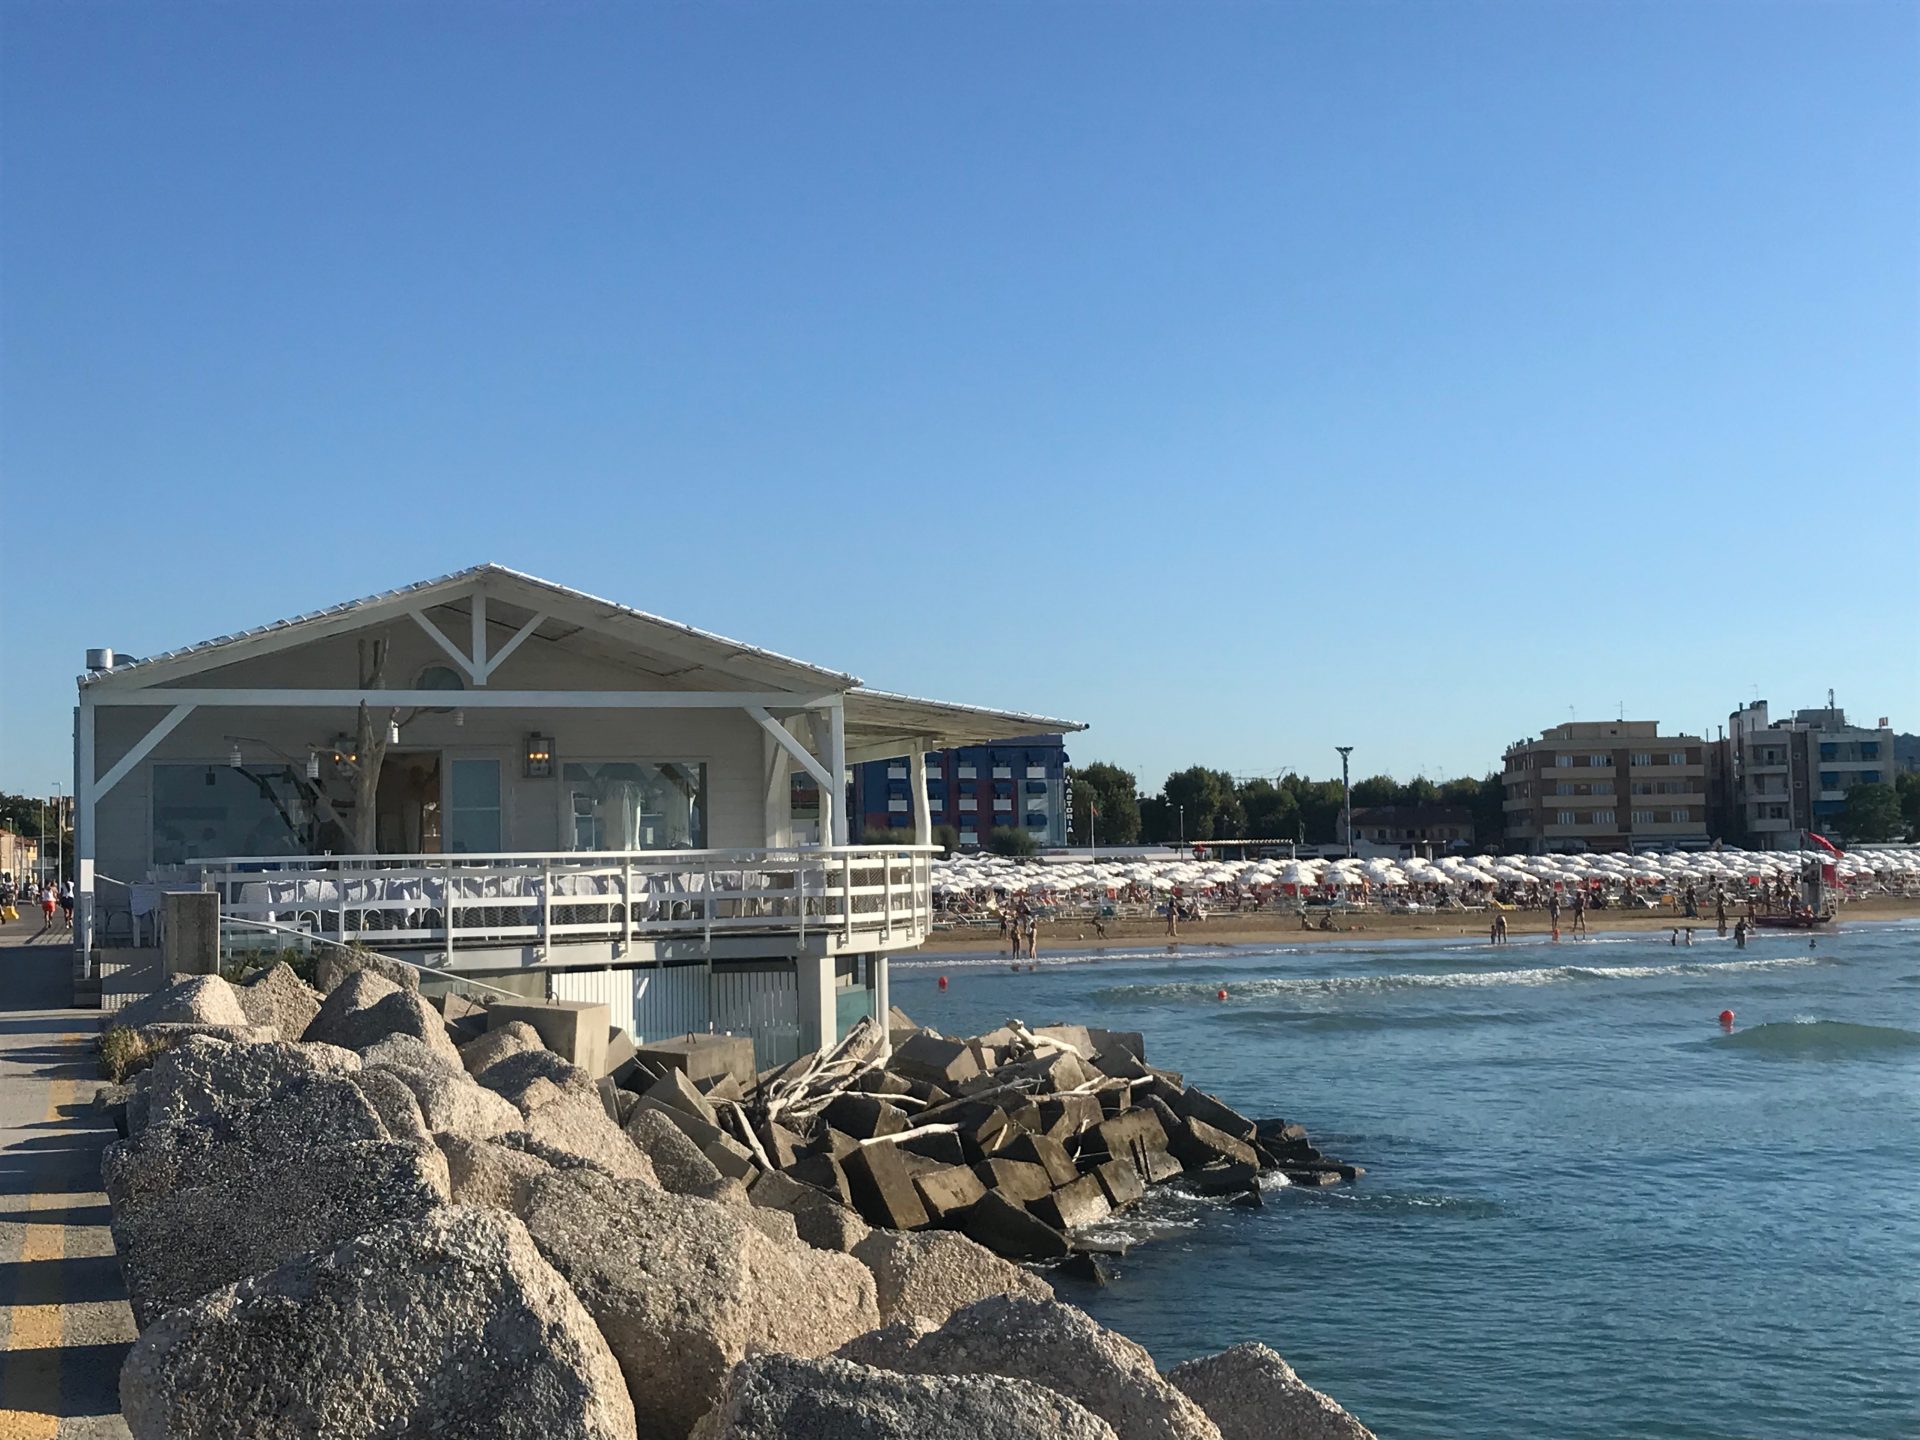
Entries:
{"x":411,"y":965}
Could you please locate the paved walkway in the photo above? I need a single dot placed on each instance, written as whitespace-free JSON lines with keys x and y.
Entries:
{"x":64,"y":1321}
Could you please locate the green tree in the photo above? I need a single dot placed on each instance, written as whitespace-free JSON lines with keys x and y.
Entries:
{"x":1419,"y":791}
{"x":1013,"y":842}
{"x":1872,"y":813}
{"x":1156,"y":820}
{"x":1376,"y":790}
{"x":1204,"y":804}
{"x":1114,"y":793}
{"x":1907,"y":786}
{"x":1271,"y":811}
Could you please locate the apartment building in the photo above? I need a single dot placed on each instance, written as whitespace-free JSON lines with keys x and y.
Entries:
{"x":1416,"y":829}
{"x":977,"y":789}
{"x":1605,"y":785}
{"x":1781,"y":777}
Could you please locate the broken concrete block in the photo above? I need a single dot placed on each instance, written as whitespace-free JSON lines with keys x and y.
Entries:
{"x":703,"y":1057}
{"x":1010,"y":1230}
{"x":863,"y":1116}
{"x":1082,"y":1201}
{"x":943,"y":1147}
{"x":1122,"y":1182}
{"x":1048,"y":1154}
{"x":924,"y":1056}
{"x":1019,"y":1180}
{"x":676,"y":1090}
{"x":882,"y":1188}
{"x":575,"y":1030}
{"x":1199,"y":1105}
{"x":822,"y":1173}
{"x":948,"y":1190}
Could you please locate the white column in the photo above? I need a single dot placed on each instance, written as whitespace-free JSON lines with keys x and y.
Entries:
{"x":84,"y":847}
{"x":882,"y":1001}
{"x":779,"y":796}
{"x":819,"y":1011}
{"x":837,"y":766}
{"x":922,"y":812}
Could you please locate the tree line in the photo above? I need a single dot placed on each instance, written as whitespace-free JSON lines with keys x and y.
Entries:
{"x":1202,"y":804}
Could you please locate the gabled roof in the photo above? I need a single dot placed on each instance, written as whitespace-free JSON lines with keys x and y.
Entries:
{"x":667,"y":652}
{"x":529,"y":593}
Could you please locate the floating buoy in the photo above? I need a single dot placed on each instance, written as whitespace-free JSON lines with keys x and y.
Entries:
{"x":1726,"y":1018}
{"x":1221,"y":996}
{"x":943,"y":982}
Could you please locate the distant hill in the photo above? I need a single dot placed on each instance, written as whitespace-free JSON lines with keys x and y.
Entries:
{"x":1906,"y":752}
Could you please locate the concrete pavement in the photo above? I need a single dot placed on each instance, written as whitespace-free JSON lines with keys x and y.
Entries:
{"x":64,"y":1322}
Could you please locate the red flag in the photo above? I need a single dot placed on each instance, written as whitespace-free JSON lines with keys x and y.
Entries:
{"x":1824,"y":843}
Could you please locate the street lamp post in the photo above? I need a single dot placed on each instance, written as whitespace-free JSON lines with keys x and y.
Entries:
{"x":1346,"y":791}
{"x":59,"y":853}
{"x":1183,"y":824}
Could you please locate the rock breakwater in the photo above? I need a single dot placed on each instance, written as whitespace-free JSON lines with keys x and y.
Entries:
{"x":406,"y":1220}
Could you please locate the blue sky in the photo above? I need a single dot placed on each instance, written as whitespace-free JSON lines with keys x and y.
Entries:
{"x":1242,"y":379}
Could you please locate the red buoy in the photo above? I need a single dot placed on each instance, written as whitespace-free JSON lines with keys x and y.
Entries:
{"x":943,"y":982}
{"x":1726,"y":1019}
{"x":1222,"y":995}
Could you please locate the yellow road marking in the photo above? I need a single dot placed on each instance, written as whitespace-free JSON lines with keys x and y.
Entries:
{"x":30,"y":1371}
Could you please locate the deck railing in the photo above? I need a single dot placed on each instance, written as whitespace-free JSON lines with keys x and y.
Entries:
{"x":845,"y":896}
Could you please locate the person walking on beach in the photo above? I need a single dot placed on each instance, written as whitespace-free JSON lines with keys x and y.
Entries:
{"x":1579,"y":910}
{"x":1173,"y":913}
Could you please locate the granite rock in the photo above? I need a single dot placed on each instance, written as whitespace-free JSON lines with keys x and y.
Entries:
{"x":510,"y":1039}
{"x":197,"y":1000}
{"x":280,"y":999}
{"x":781,"y":1397}
{"x":683,"y":1288}
{"x":449,"y":1325}
{"x":1252,"y":1394}
{"x":1050,"y":1344}
{"x":926,"y":1276}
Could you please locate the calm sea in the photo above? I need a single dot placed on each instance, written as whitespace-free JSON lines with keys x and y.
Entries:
{"x":1588,"y":1212}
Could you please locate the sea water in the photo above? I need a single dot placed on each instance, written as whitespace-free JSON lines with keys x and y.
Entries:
{"x":1588,"y":1211}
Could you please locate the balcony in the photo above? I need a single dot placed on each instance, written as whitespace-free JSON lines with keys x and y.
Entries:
{"x":850,"y":898}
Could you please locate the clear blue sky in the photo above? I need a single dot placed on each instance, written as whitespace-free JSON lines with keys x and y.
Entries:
{"x":1241,"y":378}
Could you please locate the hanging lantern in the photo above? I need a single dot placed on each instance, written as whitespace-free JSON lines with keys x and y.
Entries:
{"x":460,"y":719}
{"x":393,"y":732}
{"x":233,"y":756}
{"x":313,"y":765}
{"x":539,"y":756}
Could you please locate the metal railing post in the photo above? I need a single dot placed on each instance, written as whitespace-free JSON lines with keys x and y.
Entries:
{"x":626,"y":904}
{"x":446,"y":910}
{"x":846,"y":896}
{"x":706,"y":915}
{"x":546,"y":907}
{"x":886,"y":871}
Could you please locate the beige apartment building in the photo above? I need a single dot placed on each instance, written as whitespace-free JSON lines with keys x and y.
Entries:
{"x":1606,"y":785}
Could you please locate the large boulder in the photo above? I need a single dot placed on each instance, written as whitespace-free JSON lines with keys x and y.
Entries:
{"x":253,"y":1216}
{"x":577,"y":1124}
{"x":532,"y":1078}
{"x":925,"y":1277}
{"x":511,"y":1038}
{"x":683,"y":1288}
{"x":677,"y":1161}
{"x":1252,"y":1394}
{"x":202,"y":1079}
{"x":449,"y":1098}
{"x":447,"y":1325}
{"x":365,"y":1008}
{"x":279,"y":998}
{"x":1050,"y":1344}
{"x":780,"y":1397}
{"x":197,"y":1000}
{"x":500,"y":1170}
{"x":399,"y":1107}
{"x":332,"y":967}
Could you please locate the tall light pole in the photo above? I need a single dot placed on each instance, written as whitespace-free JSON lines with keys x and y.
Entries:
{"x":1183,"y":825}
{"x":59,"y":853}
{"x":1346,"y":791}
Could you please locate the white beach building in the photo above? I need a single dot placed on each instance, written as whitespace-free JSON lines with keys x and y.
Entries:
{"x":575,"y":798}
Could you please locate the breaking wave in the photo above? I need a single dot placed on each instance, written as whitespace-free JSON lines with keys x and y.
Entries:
{"x":1821,"y":1040}
{"x":1285,"y":986}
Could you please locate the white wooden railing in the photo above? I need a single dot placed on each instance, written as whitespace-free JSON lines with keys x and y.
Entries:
{"x":843,"y":896}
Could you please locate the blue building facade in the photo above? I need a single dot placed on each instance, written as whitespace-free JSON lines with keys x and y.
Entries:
{"x":1013,"y":785}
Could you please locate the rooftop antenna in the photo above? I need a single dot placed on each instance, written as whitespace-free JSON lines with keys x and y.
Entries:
{"x":1623,"y":712}
{"x":1829,"y":697}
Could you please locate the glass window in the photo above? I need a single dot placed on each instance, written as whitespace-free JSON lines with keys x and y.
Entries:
{"x":634,"y":805}
{"x":206,"y":811}
{"x":473,"y":819}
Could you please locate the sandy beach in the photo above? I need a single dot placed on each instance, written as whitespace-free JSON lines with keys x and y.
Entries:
{"x":1283,"y":927}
